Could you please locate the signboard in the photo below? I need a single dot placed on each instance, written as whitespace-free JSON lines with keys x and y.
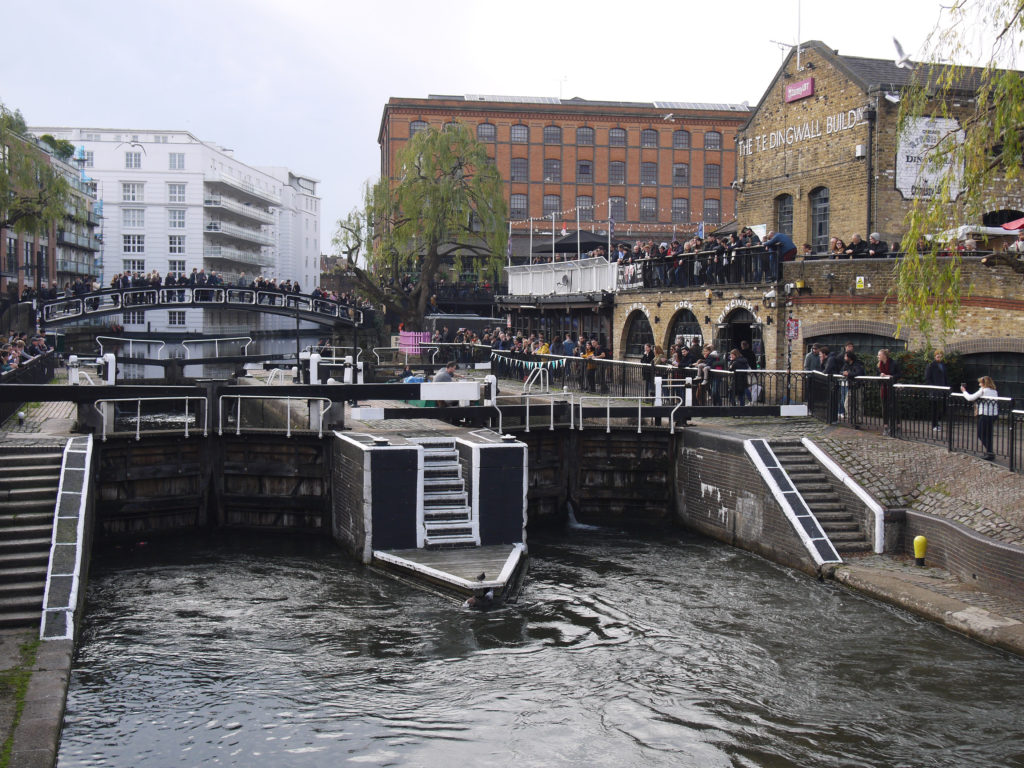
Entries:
{"x":916,"y":176}
{"x":792,"y":329}
{"x":799,"y":90}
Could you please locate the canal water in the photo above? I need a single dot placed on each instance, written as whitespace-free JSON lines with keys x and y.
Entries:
{"x":622,"y":651}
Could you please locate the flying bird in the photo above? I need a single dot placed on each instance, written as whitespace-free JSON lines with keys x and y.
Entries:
{"x":902,"y":60}
{"x":668,"y":116}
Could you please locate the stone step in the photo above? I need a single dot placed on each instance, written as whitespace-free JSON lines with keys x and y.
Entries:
{"x":26,"y":531}
{"x":22,"y":604}
{"x":34,"y":480}
{"x":22,"y":573}
{"x":445,"y":499}
{"x":846,"y":537}
{"x":25,"y":545}
{"x":447,"y":515}
{"x":810,"y":484}
{"x":853,"y":546}
{"x":29,"y":494}
{"x":31,"y":459}
{"x":18,"y":619}
{"x":440,"y":484}
{"x":838,"y":514}
{"x":36,"y":588}
{"x":24,"y":559}
{"x":812,"y":497}
{"x":841,"y":527}
{"x":12,"y":519}
{"x":28,"y":506}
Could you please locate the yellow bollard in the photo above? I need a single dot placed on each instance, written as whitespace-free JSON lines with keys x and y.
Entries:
{"x":920,"y":547}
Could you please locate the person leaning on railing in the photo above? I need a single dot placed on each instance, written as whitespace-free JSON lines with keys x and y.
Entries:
{"x":987,"y":412}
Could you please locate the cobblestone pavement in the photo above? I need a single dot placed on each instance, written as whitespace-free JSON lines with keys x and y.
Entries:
{"x":39,"y":418}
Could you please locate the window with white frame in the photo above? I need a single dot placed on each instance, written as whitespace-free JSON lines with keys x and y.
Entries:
{"x":176,"y":244}
{"x":131,"y":192}
{"x":176,"y":161}
{"x":87,"y":158}
{"x":176,"y":317}
{"x":133,"y":317}
{"x":133,"y":218}
{"x":93,"y":137}
{"x":175,"y":193}
{"x":132,"y":159}
{"x":177,"y":266}
{"x":133,"y":243}
{"x":134,"y":265}
{"x":175,"y":218}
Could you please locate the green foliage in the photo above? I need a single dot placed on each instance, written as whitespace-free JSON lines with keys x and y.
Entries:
{"x":913,"y":363}
{"x":62,"y":148}
{"x":447,"y":205}
{"x":986,"y":153}
{"x":33,"y":194}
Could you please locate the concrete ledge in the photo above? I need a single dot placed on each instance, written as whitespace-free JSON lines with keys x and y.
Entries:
{"x":977,"y":623}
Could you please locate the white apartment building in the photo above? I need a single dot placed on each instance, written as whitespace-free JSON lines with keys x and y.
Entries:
{"x":174,"y":203}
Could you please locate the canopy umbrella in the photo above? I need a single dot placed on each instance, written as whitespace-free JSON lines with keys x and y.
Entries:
{"x":567,"y":244}
{"x":1015,"y":224}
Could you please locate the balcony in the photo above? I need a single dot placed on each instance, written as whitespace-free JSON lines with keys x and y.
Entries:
{"x":562,"y":277}
{"x":239,"y":233}
{"x":227,"y":253}
{"x":89,"y":242}
{"x":240,"y":209}
{"x":67,"y":266}
{"x":263,"y":195}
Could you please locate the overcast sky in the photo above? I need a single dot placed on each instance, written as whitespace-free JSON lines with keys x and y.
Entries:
{"x":303,"y":83}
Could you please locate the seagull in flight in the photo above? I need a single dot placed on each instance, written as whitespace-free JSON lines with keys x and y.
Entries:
{"x":669,"y":116}
{"x":902,"y":60}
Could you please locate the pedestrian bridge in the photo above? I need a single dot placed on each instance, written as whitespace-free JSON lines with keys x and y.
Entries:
{"x":98,"y":303}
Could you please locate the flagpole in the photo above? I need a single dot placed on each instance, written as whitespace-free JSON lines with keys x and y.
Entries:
{"x":552,"y":237}
{"x":509,"y":249}
{"x":531,"y":241}
{"x":577,"y":233}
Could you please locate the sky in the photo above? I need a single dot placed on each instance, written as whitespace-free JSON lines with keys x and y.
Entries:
{"x":303,"y":83}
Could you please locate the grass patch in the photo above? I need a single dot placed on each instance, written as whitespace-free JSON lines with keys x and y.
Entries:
{"x":14,"y":687}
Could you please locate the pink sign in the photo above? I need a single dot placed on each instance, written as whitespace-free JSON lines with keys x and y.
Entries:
{"x":799,"y":90}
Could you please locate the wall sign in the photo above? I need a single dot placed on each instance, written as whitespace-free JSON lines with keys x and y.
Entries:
{"x":799,"y":90}
{"x":808,"y":130}
{"x":738,"y":304}
{"x":916,"y":177}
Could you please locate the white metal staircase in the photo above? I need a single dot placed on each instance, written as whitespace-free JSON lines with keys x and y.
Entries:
{"x":448,"y":518}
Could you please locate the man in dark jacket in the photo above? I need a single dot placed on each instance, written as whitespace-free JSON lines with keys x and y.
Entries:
{"x":936,"y":375}
{"x":857,"y":249}
{"x":877,"y":247}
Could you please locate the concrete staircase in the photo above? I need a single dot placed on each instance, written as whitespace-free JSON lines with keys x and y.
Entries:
{"x":447,"y":515}
{"x":843,"y":528}
{"x":29,"y":477}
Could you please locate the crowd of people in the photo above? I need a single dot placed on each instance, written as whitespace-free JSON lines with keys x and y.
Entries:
{"x":20,"y":349}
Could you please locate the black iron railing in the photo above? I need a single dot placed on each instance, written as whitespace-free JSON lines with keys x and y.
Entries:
{"x":38,"y":370}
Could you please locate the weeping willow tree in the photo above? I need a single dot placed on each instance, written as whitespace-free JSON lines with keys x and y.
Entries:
{"x":33,"y":194}
{"x":448,"y":204}
{"x":973,"y":114}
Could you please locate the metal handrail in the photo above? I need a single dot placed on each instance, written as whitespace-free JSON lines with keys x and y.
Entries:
{"x":138,"y":412}
{"x":129,"y":342}
{"x":288,"y":410}
{"x":607,"y":400}
{"x":216,"y":344}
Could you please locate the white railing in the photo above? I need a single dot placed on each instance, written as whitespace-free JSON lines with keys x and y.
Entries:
{"x":216,"y":201}
{"x":323,"y":403}
{"x":119,"y":342}
{"x":107,"y":411}
{"x":216,"y":344}
{"x":244,"y":233}
{"x":245,"y":186}
{"x":562,"y":277}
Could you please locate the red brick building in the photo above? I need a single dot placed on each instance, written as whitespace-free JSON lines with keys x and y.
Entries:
{"x":654,"y":168}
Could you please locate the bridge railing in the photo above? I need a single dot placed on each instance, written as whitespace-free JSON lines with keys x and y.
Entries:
{"x":112,"y":300}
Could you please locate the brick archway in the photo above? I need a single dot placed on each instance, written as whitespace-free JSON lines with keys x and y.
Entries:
{"x":834,"y":327}
{"x":980,"y":346}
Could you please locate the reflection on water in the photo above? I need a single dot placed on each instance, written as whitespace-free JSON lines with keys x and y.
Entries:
{"x":623,"y":651}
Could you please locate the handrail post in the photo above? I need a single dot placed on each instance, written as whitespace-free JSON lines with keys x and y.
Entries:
{"x":138,"y":418}
{"x":238,"y":417}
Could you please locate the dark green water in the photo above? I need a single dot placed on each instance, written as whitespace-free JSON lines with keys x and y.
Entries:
{"x":623,"y":651}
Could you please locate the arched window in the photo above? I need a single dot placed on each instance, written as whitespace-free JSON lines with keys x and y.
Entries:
{"x":584,"y":136}
{"x":417,"y":126}
{"x":616,"y":172}
{"x":680,"y":174}
{"x":648,"y":138}
{"x":739,"y":326}
{"x":1005,"y":368}
{"x":584,"y":172}
{"x":617,"y":208}
{"x":517,"y":207}
{"x":486,"y":132}
{"x":552,"y":134}
{"x":648,"y":173}
{"x":648,"y":209}
{"x":784,"y":214}
{"x":451,"y":126}
{"x":552,"y":170}
{"x":712,"y":175}
{"x":685,"y":329}
{"x":617,"y":137}
{"x":519,"y":169}
{"x":639,"y":333}
{"x":520,"y":134}
{"x":712,"y":140}
{"x":680,"y":140}
{"x":680,"y":210}
{"x":712,"y":211}
{"x":585,"y":204}
{"x":552,"y":204}
{"x":818,"y":200}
